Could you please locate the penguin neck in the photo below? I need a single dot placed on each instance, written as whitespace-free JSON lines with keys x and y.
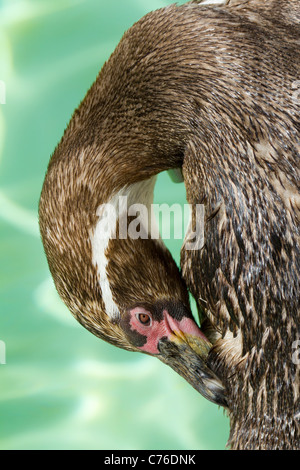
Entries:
{"x":123,"y":189}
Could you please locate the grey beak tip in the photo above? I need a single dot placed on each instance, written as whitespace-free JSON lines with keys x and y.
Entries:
{"x":193,"y":368}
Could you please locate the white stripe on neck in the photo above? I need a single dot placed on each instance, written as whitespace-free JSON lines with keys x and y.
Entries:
{"x":105,"y":230}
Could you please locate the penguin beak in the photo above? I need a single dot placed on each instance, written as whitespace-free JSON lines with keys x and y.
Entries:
{"x":186,"y":352}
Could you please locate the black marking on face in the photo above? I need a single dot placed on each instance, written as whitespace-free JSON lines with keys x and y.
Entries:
{"x":134,"y":336}
{"x":176,"y":309}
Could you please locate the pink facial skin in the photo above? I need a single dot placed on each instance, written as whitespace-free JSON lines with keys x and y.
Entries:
{"x":156,"y":330}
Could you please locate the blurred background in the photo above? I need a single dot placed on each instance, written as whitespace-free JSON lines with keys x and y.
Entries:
{"x":61,"y":387}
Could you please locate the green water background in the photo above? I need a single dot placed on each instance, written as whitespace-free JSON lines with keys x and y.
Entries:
{"x":61,"y":387}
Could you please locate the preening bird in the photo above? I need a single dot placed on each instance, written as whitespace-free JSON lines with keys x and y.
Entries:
{"x":212,"y":91}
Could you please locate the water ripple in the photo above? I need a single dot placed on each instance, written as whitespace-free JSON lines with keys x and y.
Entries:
{"x":18,"y":216}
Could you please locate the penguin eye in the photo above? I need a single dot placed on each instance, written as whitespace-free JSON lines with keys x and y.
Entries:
{"x":144,"y":319}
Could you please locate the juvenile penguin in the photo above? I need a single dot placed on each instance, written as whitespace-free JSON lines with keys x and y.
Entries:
{"x":211,"y":90}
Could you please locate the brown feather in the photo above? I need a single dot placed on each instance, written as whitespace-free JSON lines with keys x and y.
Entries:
{"x":212,"y":89}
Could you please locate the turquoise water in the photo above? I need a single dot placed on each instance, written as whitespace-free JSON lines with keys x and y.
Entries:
{"x":61,"y":387}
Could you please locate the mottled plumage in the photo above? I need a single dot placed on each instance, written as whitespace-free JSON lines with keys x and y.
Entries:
{"x":211,"y":90}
